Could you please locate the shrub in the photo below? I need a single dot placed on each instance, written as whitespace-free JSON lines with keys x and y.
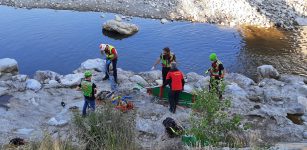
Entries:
{"x":211,"y":124}
{"x":107,"y":129}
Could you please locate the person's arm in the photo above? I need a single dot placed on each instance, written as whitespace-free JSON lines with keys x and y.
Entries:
{"x":157,"y":62}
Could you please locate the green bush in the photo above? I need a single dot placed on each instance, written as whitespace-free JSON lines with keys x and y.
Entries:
{"x":211,"y":124}
{"x":107,"y":129}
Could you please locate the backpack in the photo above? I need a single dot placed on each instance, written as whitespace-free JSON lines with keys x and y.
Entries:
{"x":172,"y":128}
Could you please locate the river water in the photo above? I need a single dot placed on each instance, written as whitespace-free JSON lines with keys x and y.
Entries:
{"x":59,"y":40}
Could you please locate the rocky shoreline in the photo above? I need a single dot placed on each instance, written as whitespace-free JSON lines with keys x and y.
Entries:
{"x":286,"y":14}
{"x":275,"y":106}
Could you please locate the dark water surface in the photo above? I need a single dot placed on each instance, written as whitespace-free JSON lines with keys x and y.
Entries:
{"x":44,"y":39}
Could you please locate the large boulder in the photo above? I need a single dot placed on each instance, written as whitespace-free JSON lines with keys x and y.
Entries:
{"x":194,"y":77}
{"x":241,"y":80}
{"x":71,"y":80}
{"x":120,"y":27}
{"x":93,"y":64}
{"x":138,"y":79}
{"x":34,"y":85}
{"x":8,"y":68}
{"x":267,"y":71}
{"x":45,"y":76}
{"x":151,"y":76}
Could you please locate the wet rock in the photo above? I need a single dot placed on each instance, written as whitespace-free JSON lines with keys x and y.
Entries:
{"x":120,"y":27}
{"x":8,"y":68}
{"x":138,"y":79}
{"x":241,"y":80}
{"x":92,"y":64}
{"x":71,"y":80}
{"x":33,"y":85}
{"x":267,"y":71}
{"x":45,"y":76}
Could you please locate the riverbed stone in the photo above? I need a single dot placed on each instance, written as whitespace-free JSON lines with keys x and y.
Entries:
{"x":120,"y":27}
{"x":33,"y":84}
{"x":45,"y":76}
{"x":267,"y":71}
{"x":92,"y":64}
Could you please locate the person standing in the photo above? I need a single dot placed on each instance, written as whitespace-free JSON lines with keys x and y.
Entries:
{"x":89,"y":90}
{"x":111,"y":57}
{"x":166,"y":58}
{"x":176,"y":81}
{"x":217,"y":73}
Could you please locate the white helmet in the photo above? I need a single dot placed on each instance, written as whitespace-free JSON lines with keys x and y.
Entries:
{"x":102,"y":47}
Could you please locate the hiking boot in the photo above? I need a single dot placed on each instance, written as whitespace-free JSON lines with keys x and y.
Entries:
{"x":105,"y":78}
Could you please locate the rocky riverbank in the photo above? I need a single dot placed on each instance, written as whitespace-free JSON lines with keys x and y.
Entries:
{"x":275,"y":106}
{"x":280,"y":13}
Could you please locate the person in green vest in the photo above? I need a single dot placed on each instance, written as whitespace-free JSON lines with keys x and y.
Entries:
{"x":111,"y":57}
{"x":166,"y":58}
{"x":217,"y":73}
{"x":89,"y":90}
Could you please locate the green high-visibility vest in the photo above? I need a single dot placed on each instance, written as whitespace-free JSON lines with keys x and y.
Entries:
{"x":167,"y":62}
{"x":215,"y":71}
{"x":110,"y":56}
{"x":87,"y":88}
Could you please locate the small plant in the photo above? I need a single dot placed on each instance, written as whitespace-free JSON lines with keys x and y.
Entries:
{"x":211,"y":124}
{"x":107,"y":129}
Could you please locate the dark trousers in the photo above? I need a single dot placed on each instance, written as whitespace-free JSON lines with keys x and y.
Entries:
{"x":88,"y":102}
{"x":165,"y":70}
{"x":173,"y":99}
{"x":114,"y":62}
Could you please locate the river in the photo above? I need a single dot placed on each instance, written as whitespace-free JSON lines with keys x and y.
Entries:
{"x":59,"y":40}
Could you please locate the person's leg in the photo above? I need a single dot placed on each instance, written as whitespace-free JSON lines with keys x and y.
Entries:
{"x":107,"y":70}
{"x":176,"y":99}
{"x":171,"y":101}
{"x":114,"y":63}
{"x":92,"y":105}
{"x":84,"y":107}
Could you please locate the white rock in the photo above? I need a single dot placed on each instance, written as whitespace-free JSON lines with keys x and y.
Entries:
{"x":267,"y":71}
{"x":71,"y":80}
{"x":151,"y":75}
{"x":193,"y":77}
{"x":241,"y":80}
{"x":55,"y":122}
{"x":163,"y":21}
{"x":138,"y":79}
{"x":20,"y":78}
{"x":188,"y":88}
{"x":303,"y":101}
{"x":118,"y":18}
{"x":93,"y":64}
{"x":235,"y":90}
{"x":45,"y":76}
{"x":120,"y":27}
{"x":159,"y":82}
{"x":8,"y":68}
{"x":301,"y":21}
{"x":33,"y":85}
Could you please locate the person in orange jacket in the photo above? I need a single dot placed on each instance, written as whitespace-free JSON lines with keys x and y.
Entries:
{"x":175,"y":79}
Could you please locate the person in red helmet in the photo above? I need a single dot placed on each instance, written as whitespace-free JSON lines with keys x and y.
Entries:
{"x":175,"y":80}
{"x":111,"y":57}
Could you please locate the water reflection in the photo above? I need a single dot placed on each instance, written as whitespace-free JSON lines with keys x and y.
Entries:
{"x":284,"y":50}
